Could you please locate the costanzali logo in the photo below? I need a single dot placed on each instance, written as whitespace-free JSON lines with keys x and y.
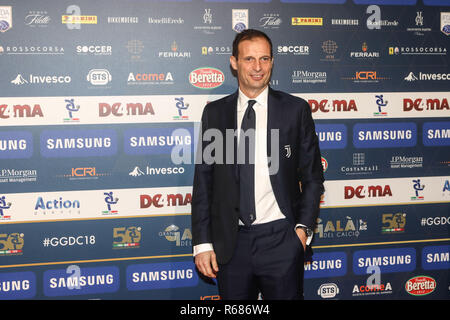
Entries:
{"x":206,"y":78}
{"x":420,"y":285}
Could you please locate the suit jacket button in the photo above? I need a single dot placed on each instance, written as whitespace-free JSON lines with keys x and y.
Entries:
{"x":236,"y":209}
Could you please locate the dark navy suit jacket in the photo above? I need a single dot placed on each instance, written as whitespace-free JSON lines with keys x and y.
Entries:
{"x":297,"y":186}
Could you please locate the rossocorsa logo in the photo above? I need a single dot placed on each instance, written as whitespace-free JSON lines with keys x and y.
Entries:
{"x":206,"y":78}
{"x":384,"y":135}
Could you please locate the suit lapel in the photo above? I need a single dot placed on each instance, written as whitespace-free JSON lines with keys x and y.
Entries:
{"x":230,"y":122}
{"x":275,"y":120}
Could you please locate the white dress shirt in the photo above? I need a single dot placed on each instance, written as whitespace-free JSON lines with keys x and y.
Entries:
{"x":267,"y":209}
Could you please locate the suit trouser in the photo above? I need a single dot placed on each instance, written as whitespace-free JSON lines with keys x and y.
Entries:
{"x":269,"y":259}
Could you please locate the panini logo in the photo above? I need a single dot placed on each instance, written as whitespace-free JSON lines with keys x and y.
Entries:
{"x":161,"y":275}
{"x":307,"y":21}
{"x":206,"y":78}
{"x":74,"y":19}
{"x":384,"y":135}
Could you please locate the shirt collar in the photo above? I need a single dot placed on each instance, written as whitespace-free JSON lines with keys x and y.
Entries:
{"x":260,"y":99}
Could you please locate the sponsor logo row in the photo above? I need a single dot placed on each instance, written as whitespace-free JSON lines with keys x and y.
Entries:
{"x":384,"y":261}
{"x":417,"y":286}
{"x":75,"y":280}
{"x":389,"y":222}
{"x":171,"y":108}
{"x":88,"y":204}
{"x":69,"y":143}
{"x":383,"y":135}
{"x":392,"y":191}
{"x":100,"y":109}
{"x":94,"y":204}
{"x":82,"y":142}
{"x":205,"y":20}
{"x":201,"y":78}
{"x":128,"y":237}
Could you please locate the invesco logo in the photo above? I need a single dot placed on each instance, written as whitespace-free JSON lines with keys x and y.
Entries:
{"x":206,"y":78}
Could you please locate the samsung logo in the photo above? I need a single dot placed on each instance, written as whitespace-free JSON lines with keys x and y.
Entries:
{"x":332,"y":136}
{"x":436,"y":133}
{"x":16,"y":144}
{"x":78,"y":143}
{"x":436,"y":257}
{"x":157,"y":140}
{"x":17,"y":285}
{"x":161,"y":275}
{"x":384,"y":135}
{"x":388,"y":260}
{"x":331,"y":264}
{"x":76,"y":281}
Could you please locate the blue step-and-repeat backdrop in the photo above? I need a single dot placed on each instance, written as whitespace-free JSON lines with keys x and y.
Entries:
{"x":95,"y":97}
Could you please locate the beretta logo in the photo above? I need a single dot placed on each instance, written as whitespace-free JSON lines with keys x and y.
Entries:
{"x":420,"y":285}
{"x":206,"y":78}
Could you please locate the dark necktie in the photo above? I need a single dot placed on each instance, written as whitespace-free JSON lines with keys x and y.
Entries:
{"x":247,"y":169}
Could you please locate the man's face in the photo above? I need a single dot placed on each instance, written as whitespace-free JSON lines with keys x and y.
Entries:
{"x":253,"y":66}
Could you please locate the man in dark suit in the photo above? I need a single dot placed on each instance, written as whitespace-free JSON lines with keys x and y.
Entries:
{"x":255,"y":203}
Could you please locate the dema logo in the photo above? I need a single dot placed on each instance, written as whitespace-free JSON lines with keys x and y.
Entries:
{"x":78,"y":143}
{"x":16,"y":145}
{"x":161,"y":275}
{"x":384,"y":135}
{"x":388,"y":260}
